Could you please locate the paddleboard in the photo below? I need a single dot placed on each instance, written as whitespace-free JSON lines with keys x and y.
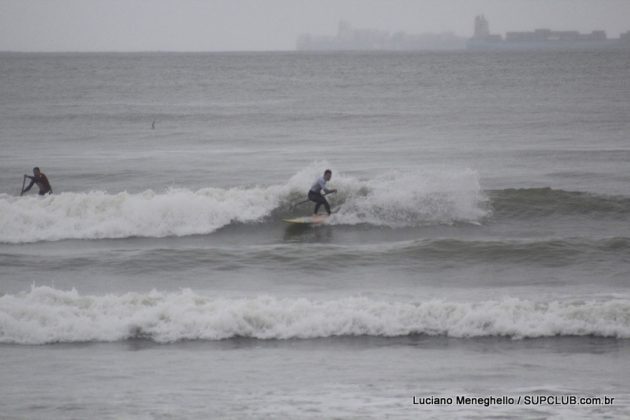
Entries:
{"x":308,"y":220}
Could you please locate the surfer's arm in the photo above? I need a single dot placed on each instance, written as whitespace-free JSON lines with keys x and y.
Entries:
{"x":29,"y":185}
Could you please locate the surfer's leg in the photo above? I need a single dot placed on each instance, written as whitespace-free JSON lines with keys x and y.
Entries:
{"x":319,"y":200}
{"x":326,"y":205}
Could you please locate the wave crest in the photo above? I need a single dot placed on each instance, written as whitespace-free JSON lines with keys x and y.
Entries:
{"x":46,"y":315}
{"x":397,"y":199}
{"x":415,"y":198}
{"x":97,"y":215}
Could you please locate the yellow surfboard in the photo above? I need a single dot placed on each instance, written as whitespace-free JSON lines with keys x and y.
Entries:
{"x":308,"y":220}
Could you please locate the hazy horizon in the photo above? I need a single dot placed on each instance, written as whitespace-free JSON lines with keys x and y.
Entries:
{"x":274,"y":25}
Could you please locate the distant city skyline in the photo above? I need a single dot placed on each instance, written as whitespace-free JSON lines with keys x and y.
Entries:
{"x":253,"y":25}
{"x":349,"y":38}
{"x":543,"y":38}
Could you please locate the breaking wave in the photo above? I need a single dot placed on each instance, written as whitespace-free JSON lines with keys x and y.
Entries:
{"x":395,"y":199}
{"x":46,"y":315}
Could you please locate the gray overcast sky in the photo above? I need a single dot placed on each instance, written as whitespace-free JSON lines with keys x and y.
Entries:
{"x":222,"y":25}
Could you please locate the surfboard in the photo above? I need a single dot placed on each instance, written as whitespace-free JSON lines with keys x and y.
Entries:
{"x":308,"y":220}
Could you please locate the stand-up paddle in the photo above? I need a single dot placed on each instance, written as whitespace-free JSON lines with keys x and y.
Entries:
{"x":23,"y":184}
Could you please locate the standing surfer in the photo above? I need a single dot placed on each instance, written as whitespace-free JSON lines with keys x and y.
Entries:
{"x":40,"y":179}
{"x":315,"y":193}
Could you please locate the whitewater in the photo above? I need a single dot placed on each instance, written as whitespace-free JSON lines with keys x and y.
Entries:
{"x":45,"y":315}
{"x":434,"y":198}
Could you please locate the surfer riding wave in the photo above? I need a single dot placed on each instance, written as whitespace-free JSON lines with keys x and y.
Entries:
{"x":315,"y":193}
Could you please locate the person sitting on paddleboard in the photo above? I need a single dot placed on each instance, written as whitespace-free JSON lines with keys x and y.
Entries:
{"x":41,"y":181}
{"x":315,"y":193}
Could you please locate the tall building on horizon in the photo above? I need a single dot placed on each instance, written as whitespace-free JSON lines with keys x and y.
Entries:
{"x":482,"y":27}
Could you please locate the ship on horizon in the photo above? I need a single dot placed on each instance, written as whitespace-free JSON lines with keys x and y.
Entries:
{"x":542,"y":39}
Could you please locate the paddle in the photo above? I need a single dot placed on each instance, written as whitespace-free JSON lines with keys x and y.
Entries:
{"x":306,"y":201}
{"x":23,"y":183}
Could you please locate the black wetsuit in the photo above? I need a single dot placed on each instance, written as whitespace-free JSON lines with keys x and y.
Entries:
{"x":42,"y":184}
{"x":319,"y":200}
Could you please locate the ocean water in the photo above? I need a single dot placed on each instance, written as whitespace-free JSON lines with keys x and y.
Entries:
{"x":480,"y":246}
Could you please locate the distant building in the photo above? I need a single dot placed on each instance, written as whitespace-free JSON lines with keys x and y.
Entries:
{"x":625,"y":38}
{"x":547,"y":35}
{"x":541,"y":39}
{"x":482,"y":31}
{"x":482,"y":27}
{"x":349,"y":38}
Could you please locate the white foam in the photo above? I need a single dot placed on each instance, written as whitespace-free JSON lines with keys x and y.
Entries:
{"x":394,"y":199}
{"x":414,"y":198}
{"x":96,"y":214}
{"x":47,"y":315}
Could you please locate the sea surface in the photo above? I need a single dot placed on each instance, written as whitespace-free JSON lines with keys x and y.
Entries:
{"x":477,"y":264}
